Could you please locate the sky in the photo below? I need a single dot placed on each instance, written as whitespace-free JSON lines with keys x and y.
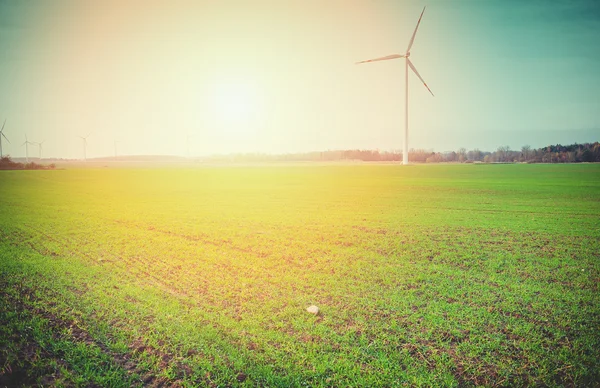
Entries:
{"x":206,"y":77}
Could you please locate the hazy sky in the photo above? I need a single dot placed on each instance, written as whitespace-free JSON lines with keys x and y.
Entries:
{"x":279,"y":75}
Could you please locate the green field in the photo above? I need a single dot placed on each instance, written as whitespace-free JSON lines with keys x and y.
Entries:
{"x":435,"y":275}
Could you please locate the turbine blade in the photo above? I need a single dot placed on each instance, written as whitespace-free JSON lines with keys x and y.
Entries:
{"x":4,"y":136}
{"x":393,"y":56}
{"x":418,"y":75}
{"x":415,"y":33}
{"x":3,"y":126}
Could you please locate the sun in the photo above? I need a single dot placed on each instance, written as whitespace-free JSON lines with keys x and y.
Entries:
{"x":236,"y":102}
{"x":237,"y":107}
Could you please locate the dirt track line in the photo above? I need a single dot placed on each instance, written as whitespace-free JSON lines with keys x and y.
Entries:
{"x":155,"y":279}
{"x":76,"y":333}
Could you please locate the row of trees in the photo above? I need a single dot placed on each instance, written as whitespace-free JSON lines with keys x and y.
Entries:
{"x":575,"y":153}
{"x":7,"y":164}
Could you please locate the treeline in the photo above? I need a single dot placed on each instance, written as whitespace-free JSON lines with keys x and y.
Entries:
{"x":575,"y":153}
{"x":7,"y":164}
{"x":315,"y":156}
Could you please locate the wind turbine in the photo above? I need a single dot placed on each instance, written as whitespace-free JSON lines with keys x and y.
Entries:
{"x":26,"y":144}
{"x":84,"y":138}
{"x":40,"y":147}
{"x":406,"y":56}
{"x":2,"y":135}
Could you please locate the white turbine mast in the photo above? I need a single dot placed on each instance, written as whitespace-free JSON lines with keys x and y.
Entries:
{"x":406,"y":56}
{"x":84,"y":138}
{"x":26,"y":144}
{"x":2,"y":135}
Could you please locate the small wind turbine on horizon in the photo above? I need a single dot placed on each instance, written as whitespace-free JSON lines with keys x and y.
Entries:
{"x":2,"y":135}
{"x":40,"y":148}
{"x":26,"y":144}
{"x":84,"y":138}
{"x":406,"y":56}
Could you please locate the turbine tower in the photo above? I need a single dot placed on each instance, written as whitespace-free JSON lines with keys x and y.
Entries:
{"x":26,"y":144}
{"x":2,"y":135}
{"x":84,"y":138}
{"x":406,"y":56}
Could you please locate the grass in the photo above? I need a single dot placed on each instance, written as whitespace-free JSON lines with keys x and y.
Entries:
{"x":424,"y":275}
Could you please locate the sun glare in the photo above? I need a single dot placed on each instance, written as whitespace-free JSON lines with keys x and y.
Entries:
{"x":236,"y":103}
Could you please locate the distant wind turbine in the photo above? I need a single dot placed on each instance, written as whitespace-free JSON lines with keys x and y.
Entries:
{"x":40,"y":148}
{"x":414,"y":69}
{"x":26,"y":144}
{"x":2,"y":135}
{"x":84,"y":138}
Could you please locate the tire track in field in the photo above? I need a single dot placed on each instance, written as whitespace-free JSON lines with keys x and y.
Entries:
{"x":264,"y":249}
{"x":70,"y":330}
{"x":67,"y":329}
{"x":530,"y":212}
{"x":224,"y":246}
{"x":71,"y":247}
{"x":298,"y":263}
{"x":200,"y":238}
{"x":181,"y":296}
{"x":184,"y":293}
{"x":282,"y":260}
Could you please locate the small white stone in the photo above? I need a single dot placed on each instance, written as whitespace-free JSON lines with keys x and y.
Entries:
{"x":313,"y":309}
